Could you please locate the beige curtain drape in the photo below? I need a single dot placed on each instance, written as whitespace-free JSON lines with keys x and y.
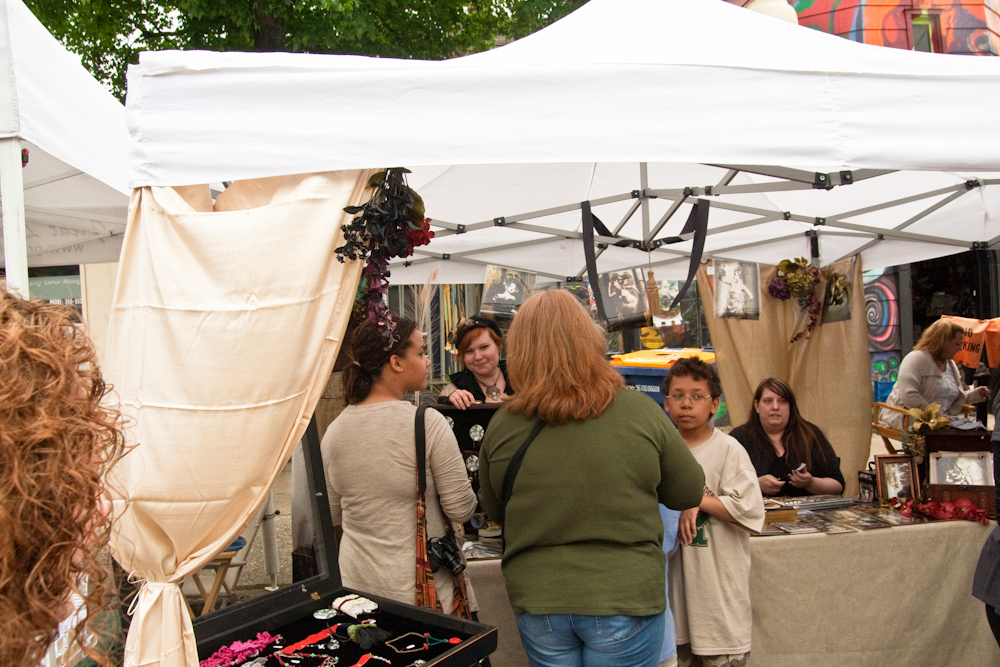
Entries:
{"x":225,"y":325}
{"x":830,"y":372}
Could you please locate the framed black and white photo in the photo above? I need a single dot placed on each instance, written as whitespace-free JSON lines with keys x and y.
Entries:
{"x":968,"y":468}
{"x":897,"y":477}
{"x":624,"y":296}
{"x":737,"y":290}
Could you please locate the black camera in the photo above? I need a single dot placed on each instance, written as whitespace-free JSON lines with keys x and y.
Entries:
{"x":444,"y":551}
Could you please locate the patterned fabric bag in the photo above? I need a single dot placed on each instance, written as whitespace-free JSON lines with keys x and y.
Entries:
{"x":426,"y":592}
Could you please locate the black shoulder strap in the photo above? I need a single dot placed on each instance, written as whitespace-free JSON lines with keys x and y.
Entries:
{"x":420,"y":439}
{"x":514,"y":466}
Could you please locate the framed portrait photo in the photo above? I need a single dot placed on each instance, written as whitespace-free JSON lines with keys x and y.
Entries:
{"x":896,"y":475}
{"x":967,"y":468}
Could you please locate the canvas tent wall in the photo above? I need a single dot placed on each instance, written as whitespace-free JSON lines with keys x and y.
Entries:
{"x":69,"y":203}
{"x":618,"y":97}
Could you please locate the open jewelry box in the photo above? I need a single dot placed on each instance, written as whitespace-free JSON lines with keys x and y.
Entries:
{"x":418,"y":636}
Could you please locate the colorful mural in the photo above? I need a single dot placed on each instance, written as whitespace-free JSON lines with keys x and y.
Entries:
{"x":882,"y":310}
{"x":882,"y":313}
{"x":972,"y":28}
{"x":885,"y":366}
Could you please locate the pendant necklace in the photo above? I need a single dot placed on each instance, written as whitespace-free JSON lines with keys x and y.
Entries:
{"x":492,"y":391}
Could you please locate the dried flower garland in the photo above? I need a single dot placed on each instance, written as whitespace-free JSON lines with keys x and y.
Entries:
{"x":798,"y":279}
{"x":391,"y":224}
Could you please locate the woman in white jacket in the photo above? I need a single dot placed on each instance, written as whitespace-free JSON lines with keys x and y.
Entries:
{"x":928,"y":375}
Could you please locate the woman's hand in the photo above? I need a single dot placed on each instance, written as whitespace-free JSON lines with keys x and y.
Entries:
{"x":801,"y":479}
{"x":770,"y":485}
{"x":984,"y":393}
{"x":461,"y":398}
{"x":687,"y":526}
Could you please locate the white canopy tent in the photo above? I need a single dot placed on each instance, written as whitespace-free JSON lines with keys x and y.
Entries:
{"x":635,"y":106}
{"x":68,"y":205}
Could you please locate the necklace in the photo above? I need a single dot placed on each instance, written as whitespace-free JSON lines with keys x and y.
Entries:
{"x":492,"y":391}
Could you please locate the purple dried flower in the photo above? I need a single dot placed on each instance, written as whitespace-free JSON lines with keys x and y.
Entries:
{"x":779,"y":289}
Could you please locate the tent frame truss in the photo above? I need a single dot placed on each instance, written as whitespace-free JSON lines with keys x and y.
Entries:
{"x":788,"y":180}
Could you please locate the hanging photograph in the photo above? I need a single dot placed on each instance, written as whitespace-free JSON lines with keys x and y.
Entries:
{"x":584,"y":295}
{"x":737,"y":290}
{"x":505,"y":290}
{"x":623,"y":294}
{"x":839,"y":285}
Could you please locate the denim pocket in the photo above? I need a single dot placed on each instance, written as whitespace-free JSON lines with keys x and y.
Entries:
{"x":620,"y":627}
{"x":533,"y":625}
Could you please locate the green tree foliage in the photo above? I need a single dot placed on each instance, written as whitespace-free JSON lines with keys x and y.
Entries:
{"x":109,"y":34}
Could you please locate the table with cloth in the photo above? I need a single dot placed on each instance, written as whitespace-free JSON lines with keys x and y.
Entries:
{"x":889,"y":597}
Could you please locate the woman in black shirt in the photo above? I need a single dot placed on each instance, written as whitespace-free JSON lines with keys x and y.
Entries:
{"x":792,"y":456}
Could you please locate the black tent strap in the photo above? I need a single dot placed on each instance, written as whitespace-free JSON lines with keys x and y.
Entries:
{"x":697,"y":223}
{"x":591,"y":257}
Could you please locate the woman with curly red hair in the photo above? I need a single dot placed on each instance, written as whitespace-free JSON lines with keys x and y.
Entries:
{"x":57,"y":440}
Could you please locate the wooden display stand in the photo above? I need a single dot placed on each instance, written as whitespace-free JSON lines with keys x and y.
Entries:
{"x":289,"y":611}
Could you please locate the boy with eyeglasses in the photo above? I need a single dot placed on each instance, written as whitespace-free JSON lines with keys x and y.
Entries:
{"x":710,"y":573}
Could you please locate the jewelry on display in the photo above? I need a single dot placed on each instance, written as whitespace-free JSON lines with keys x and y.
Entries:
{"x":354,"y":605}
{"x":311,"y":639}
{"x":328,"y":660}
{"x":411,"y":647}
{"x":434,"y":641}
{"x":368,"y":656}
{"x":239,"y":652}
{"x":324,"y":614}
{"x":367,"y":634}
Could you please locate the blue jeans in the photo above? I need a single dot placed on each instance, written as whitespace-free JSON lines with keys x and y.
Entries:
{"x":571,"y":640}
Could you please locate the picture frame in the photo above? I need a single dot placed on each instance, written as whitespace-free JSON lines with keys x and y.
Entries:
{"x":867,"y":485}
{"x":504,"y":290}
{"x":896,"y":475}
{"x":963,"y":468}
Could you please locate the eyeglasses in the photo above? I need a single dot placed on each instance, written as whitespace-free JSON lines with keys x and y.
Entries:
{"x":680,"y":398}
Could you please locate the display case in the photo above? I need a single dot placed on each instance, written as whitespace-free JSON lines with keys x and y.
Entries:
{"x":416,"y":636}
{"x":469,"y":426}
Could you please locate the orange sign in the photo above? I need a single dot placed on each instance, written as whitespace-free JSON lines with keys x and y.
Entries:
{"x":975,"y":340}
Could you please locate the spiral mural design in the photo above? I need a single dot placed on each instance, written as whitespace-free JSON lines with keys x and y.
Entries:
{"x":882,"y":312}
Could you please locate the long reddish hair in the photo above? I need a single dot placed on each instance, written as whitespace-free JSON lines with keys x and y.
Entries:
{"x":556,"y":359}
{"x":57,"y":440}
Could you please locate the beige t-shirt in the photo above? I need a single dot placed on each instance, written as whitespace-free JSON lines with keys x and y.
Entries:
{"x":710,"y":579}
{"x":369,"y":458}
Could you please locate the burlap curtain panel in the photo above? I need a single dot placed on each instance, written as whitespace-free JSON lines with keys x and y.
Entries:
{"x":226,"y":322}
{"x":830,"y":371}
